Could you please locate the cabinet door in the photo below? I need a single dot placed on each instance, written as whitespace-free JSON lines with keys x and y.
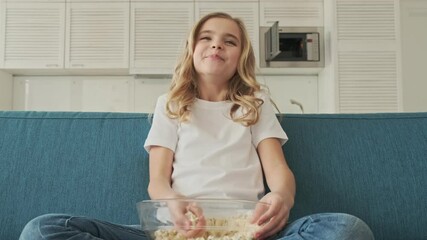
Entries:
{"x":36,"y":1}
{"x":368,"y":57}
{"x":105,"y":94}
{"x":248,"y":12}
{"x":97,"y":35}
{"x":293,"y":94}
{"x":42,"y":93}
{"x":292,"y":13}
{"x":32,"y":35}
{"x":158,"y":35}
{"x":81,"y":93}
{"x":147,"y":90}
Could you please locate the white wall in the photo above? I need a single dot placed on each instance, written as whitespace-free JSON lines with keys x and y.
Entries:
{"x":414,"y":53}
{"x":87,"y":93}
{"x":129,"y":94}
{"x":6,"y":90}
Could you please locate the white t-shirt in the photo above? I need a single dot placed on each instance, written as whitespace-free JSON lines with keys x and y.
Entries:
{"x":215,"y":157}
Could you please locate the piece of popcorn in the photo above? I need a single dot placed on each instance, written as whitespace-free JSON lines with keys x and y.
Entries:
{"x":193,"y":218}
{"x":239,"y":229}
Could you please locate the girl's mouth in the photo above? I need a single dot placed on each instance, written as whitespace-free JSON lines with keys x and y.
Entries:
{"x":215,"y":57}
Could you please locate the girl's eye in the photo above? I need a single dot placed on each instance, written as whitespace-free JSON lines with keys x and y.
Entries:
{"x":205,"y":38}
{"x":230,"y":43}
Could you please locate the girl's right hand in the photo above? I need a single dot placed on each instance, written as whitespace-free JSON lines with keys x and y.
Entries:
{"x":188,"y":218}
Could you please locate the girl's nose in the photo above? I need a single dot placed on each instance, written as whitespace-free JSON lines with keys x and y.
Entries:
{"x":216,"y":46}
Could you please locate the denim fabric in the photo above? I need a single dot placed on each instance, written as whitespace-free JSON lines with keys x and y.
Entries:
{"x":61,"y":227}
{"x":327,"y":226}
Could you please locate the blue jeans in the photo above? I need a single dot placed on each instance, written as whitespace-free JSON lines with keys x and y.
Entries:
{"x":318,"y":226}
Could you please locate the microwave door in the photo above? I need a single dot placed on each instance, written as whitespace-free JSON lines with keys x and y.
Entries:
{"x":272,"y":47}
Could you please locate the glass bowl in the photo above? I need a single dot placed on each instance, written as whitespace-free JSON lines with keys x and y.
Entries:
{"x":201,"y":219}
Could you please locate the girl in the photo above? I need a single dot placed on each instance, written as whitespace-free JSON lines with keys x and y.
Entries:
{"x":216,"y":128}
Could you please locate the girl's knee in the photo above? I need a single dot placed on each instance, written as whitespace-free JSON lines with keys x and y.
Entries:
{"x":353,"y":227}
{"x":37,"y":228}
{"x":336,"y":226}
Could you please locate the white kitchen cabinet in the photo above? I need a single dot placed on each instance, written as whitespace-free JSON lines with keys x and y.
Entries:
{"x":413,"y":15}
{"x":53,"y":34}
{"x":159,"y":32}
{"x":152,"y":1}
{"x":158,"y":35}
{"x":291,"y":13}
{"x":129,"y":94}
{"x":38,"y":1}
{"x":97,"y":35}
{"x":147,"y":90}
{"x":35,"y":1}
{"x":79,"y":93}
{"x":368,"y":58}
{"x":248,"y":12}
{"x":227,"y":1}
{"x":32,"y":34}
{"x":293,"y":94}
{"x":42,"y":94}
{"x":92,"y":1}
{"x":6,"y":91}
{"x":105,"y":94}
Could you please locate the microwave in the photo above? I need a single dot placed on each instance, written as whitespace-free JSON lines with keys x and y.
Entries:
{"x":299,"y":47}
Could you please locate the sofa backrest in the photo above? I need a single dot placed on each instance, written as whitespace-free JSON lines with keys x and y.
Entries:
{"x":373,"y":166}
{"x":91,"y":164}
{"x":370,"y":165}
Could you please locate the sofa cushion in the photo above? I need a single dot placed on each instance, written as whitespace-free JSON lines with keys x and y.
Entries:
{"x":370,"y":165}
{"x":373,"y":166}
{"x":91,"y":164}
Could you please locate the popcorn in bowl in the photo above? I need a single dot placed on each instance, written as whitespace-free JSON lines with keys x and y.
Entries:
{"x":220,"y":219}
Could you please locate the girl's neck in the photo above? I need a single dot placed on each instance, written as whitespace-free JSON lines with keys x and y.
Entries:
{"x":213,"y":96}
{"x":212,"y":92}
{"x":212,"y":89}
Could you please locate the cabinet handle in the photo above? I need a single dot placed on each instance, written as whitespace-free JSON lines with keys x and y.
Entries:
{"x":51,"y":65}
{"x":77,"y":65}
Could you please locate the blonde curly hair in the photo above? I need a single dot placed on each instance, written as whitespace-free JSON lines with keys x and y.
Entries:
{"x":241,"y":87}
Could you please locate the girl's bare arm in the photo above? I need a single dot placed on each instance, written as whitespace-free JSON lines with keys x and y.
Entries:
{"x":161,"y":160}
{"x":281,"y":182}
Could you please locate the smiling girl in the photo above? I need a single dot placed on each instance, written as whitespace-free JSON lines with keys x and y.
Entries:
{"x":215,"y":135}
{"x":218,"y":129}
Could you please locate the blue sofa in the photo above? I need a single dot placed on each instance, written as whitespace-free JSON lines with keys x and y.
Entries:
{"x":373,"y":166}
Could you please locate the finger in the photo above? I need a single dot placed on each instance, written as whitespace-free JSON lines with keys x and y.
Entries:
{"x":260,"y":208}
{"x":267,"y":227}
{"x":197,"y":230}
{"x":194,"y":233}
{"x":196,"y":210}
{"x":277,"y":211}
{"x":201,"y":223}
{"x":197,"y":225}
{"x":182,"y":222}
{"x":186,"y":229}
{"x":270,"y":230}
{"x":267,"y":215}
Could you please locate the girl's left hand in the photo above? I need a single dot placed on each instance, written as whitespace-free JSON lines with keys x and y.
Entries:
{"x":272,"y":219}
